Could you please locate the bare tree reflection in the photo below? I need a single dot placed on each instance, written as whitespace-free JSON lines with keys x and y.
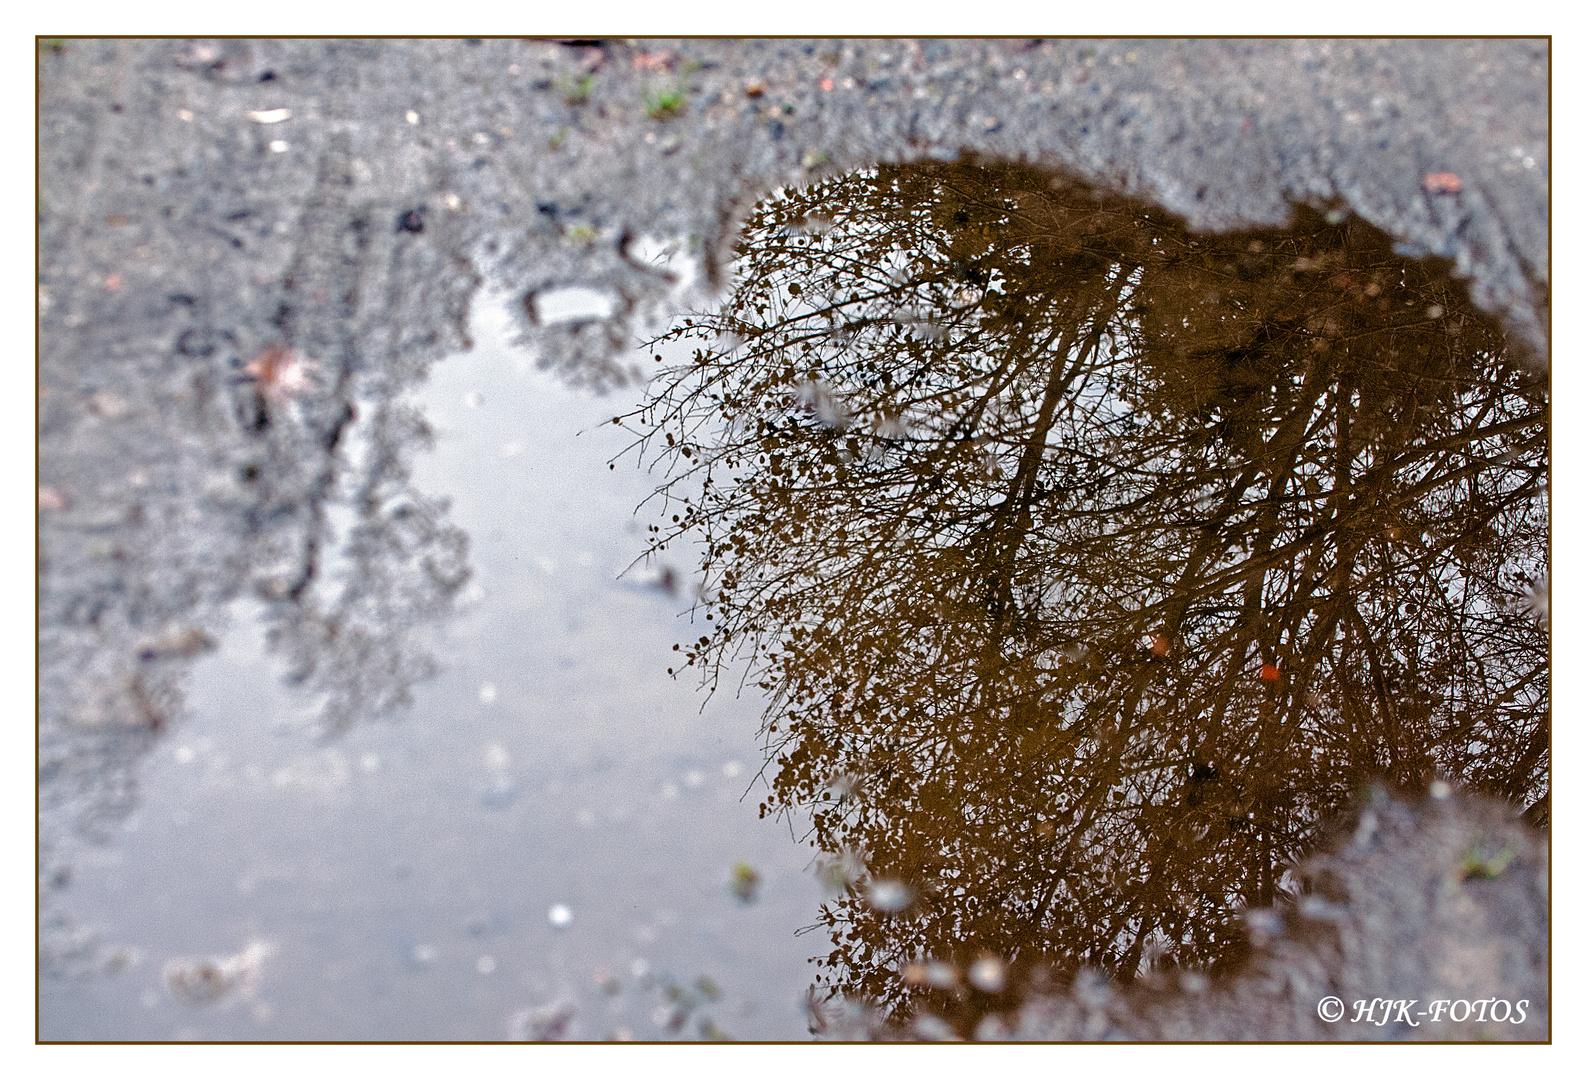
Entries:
{"x":1089,"y":563}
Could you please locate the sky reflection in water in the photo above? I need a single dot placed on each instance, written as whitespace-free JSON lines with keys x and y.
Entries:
{"x":405,"y":875}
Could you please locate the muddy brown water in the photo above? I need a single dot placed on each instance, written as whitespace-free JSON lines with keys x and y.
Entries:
{"x":1058,"y":574}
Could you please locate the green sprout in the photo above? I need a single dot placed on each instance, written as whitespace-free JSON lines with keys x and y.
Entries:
{"x":580,"y":234}
{"x":577,"y":91}
{"x":665,"y":105}
{"x":746,"y":882}
{"x":557,"y":139}
{"x":1476,"y":865}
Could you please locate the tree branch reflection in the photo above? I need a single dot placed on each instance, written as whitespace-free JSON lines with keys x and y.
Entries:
{"x":1089,"y":564}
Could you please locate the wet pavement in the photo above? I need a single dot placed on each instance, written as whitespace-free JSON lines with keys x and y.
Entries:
{"x":272,"y":271}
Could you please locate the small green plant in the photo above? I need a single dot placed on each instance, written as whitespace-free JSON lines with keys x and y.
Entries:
{"x":52,"y":45}
{"x":1485,"y":868}
{"x":666,"y":104}
{"x":580,"y":234}
{"x":746,"y":882}
{"x":560,"y":137}
{"x":577,"y":91}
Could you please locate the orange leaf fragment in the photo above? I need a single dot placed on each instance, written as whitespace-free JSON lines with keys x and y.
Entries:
{"x":1441,"y":183}
{"x":661,"y":61}
{"x":279,"y":372}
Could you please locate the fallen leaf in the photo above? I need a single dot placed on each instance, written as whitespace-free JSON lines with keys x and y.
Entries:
{"x":1441,"y":183}
{"x":662,"y":61}
{"x":280,"y":373}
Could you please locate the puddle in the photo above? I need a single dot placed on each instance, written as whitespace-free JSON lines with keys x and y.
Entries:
{"x":1088,"y":567}
{"x":1091,"y":565}
{"x":501,"y":848}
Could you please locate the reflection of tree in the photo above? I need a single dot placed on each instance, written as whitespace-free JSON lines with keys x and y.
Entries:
{"x":258,"y":457}
{"x":1089,"y":563}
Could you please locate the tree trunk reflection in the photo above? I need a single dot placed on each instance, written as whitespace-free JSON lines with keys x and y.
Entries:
{"x":1090,"y":563}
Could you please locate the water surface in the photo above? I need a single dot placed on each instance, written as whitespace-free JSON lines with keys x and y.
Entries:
{"x":402,"y":876}
{"x":1091,"y":565}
